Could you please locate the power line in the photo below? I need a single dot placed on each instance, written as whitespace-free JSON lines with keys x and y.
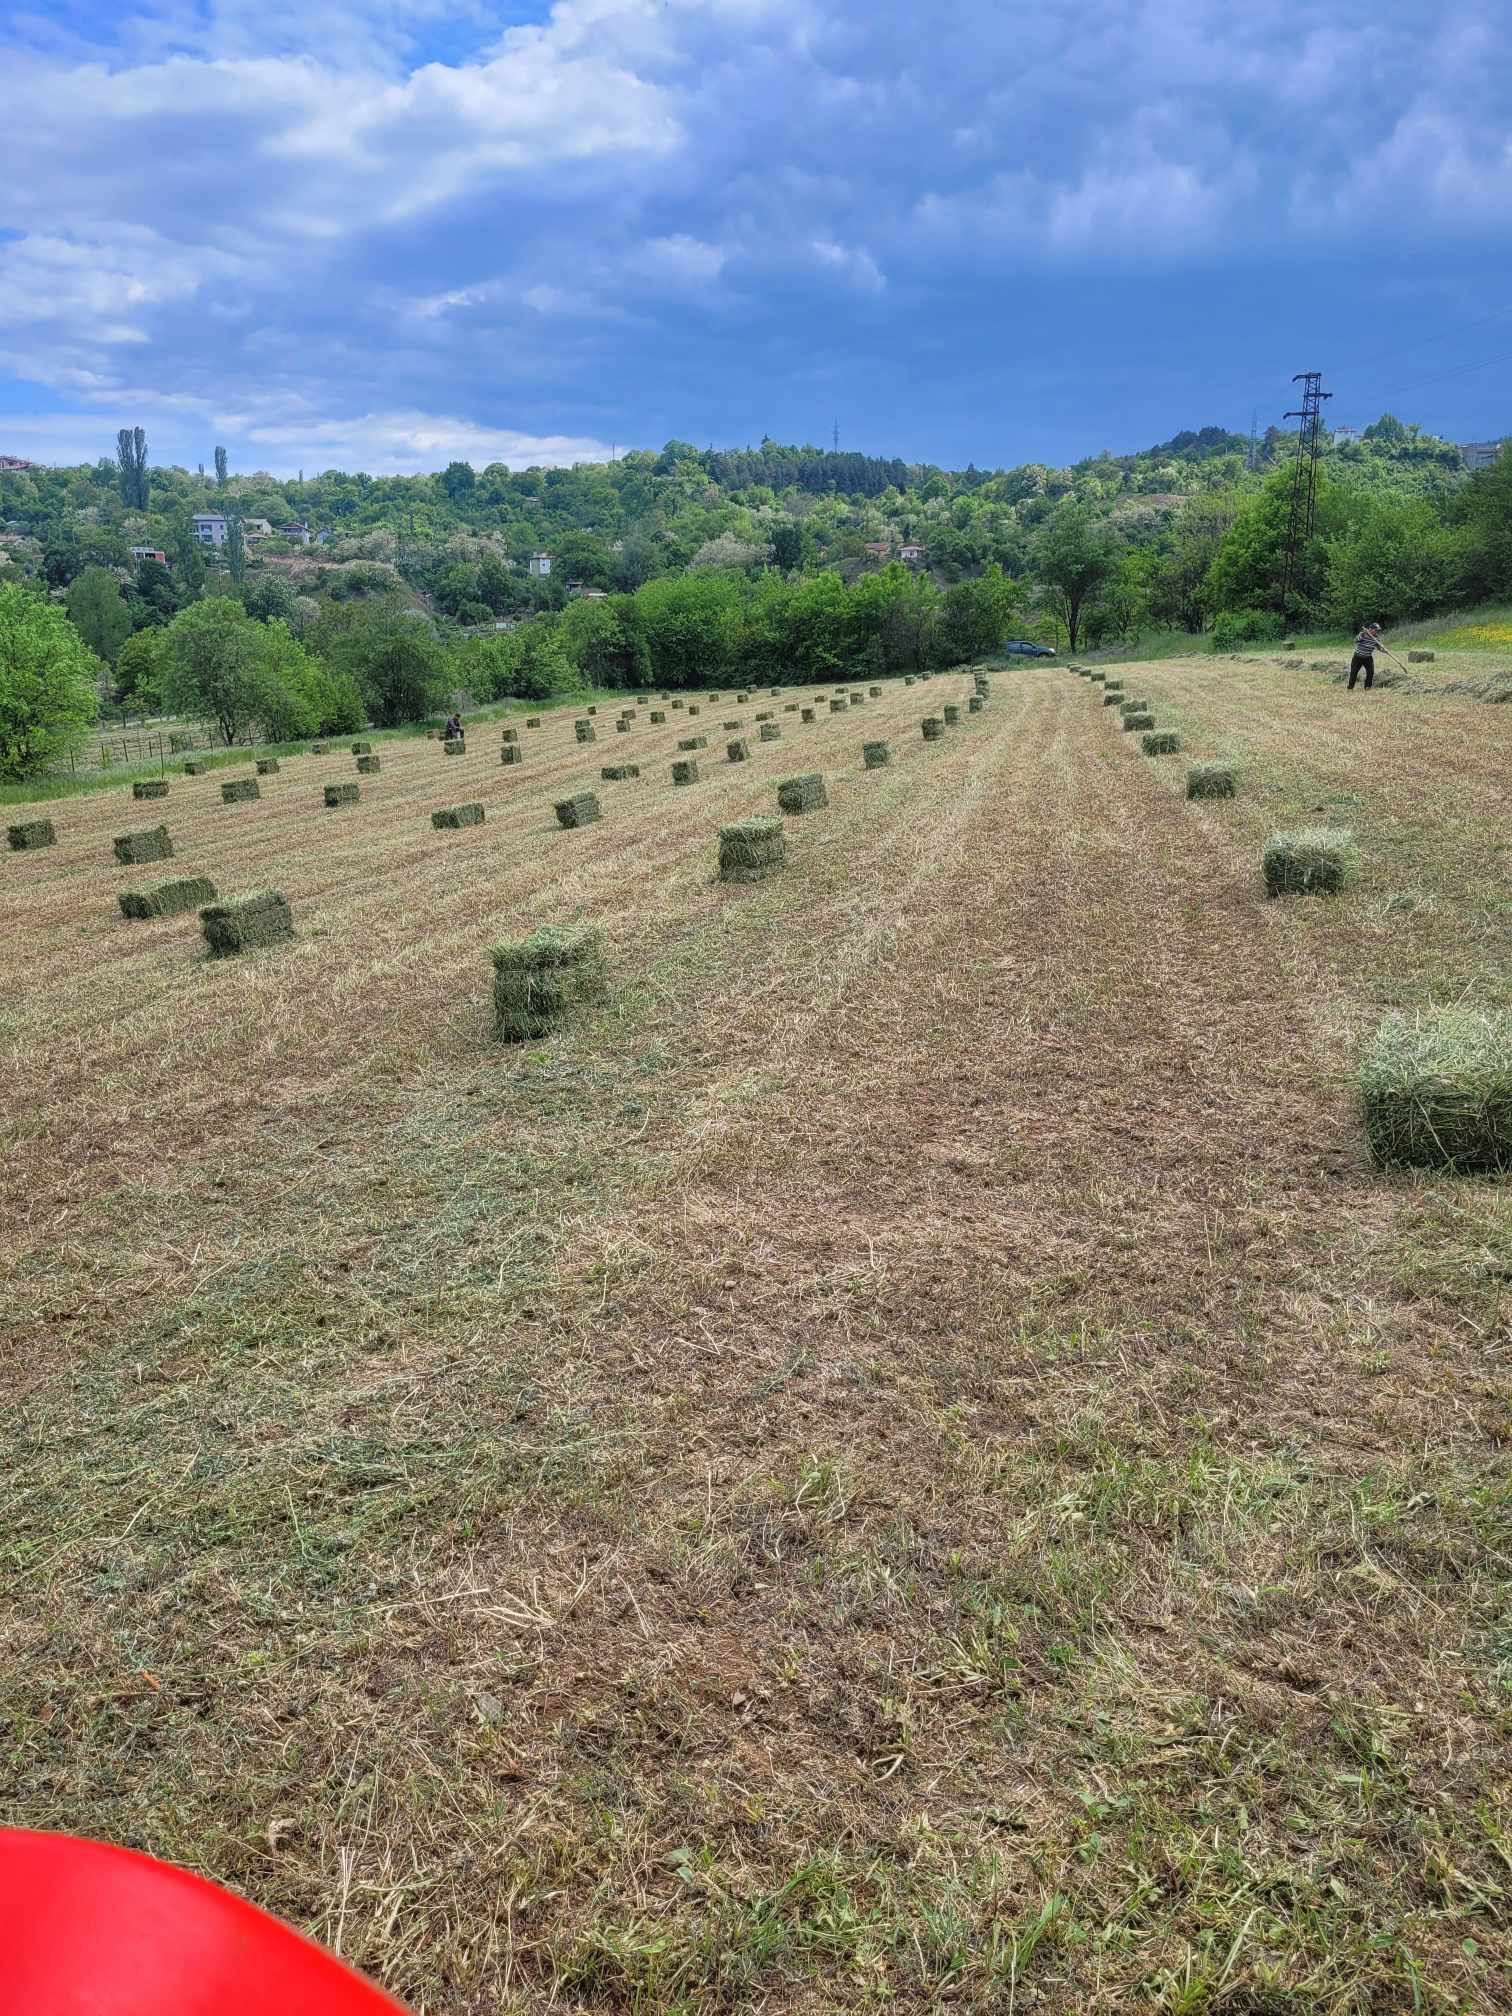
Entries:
{"x":1304,"y":498}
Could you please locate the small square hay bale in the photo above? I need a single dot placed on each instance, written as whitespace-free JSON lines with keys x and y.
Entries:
{"x":267,"y":766}
{"x":1436,"y":1090}
{"x":152,"y":844}
{"x":1162,"y":743}
{"x":585,"y":731}
{"x":1113,"y":696}
{"x":246,"y":924}
{"x":805,"y":714}
{"x":664,"y":696}
{"x":581,"y":809}
{"x":1212,"y":780}
{"x":455,"y":745}
{"x":729,"y":727}
{"x":150,"y":787}
{"x":622,"y":727}
{"x":775,"y":692}
{"x":975,"y":704}
{"x":739,"y":750}
{"x":875,"y":692}
{"x":341,"y":794}
{"x":369,"y":766}
{"x":676,"y":704}
{"x":617,"y":773}
{"x":839,"y":706}
{"x":908,"y":679}
{"x":694,"y":710}
{"x":1097,"y":678}
{"x":430,"y":734}
{"x":802,"y":794}
{"x":177,"y":744}
{"x":195,"y":769}
{"x":319,"y":748}
{"x":167,"y":899}
{"x":1312,"y":860}
{"x":532,"y":720}
{"x":1134,"y":706}
{"x":876,"y":755}
{"x":751,"y":849}
{"x":538,"y":979}
{"x":685,"y":772}
{"x":511,"y":752}
{"x":694,"y":742}
{"x":1138,"y":717}
{"x":932,"y":727}
{"x":458,"y":815}
{"x":362,"y":748}
{"x":31,"y":833}
{"x":658,"y":717}
{"x":764,"y":715}
{"x":1113,"y":685}
{"x":790,"y":706}
{"x":742,"y":698}
{"x":1420,"y":657}
{"x":510,"y":735}
{"x":240,"y":791}
{"x":769,"y":732}
{"x":593,"y":710}
{"x":857,"y":699}
{"x":952,"y":714}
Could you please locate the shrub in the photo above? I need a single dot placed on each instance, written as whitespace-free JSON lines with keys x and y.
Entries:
{"x":539,"y":979}
{"x":1234,"y":627}
{"x":1436,"y":1090}
{"x":458,"y":815}
{"x":168,"y":898}
{"x":751,"y":850}
{"x":802,"y":794}
{"x":1314,"y":859}
{"x":581,"y":809}
{"x":1211,"y":780}
{"x":244,"y":925}
{"x":1163,"y":743}
{"x":48,"y":689}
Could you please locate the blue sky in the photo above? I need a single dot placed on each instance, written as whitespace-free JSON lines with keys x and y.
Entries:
{"x":382,"y":233}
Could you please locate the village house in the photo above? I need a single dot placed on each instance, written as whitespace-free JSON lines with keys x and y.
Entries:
{"x":210,"y":527}
{"x":911,"y":555}
{"x":879,"y":548}
{"x":256,"y":528}
{"x":297,"y":533}
{"x":150,"y":553}
{"x":583,"y":593}
{"x":539,"y":563}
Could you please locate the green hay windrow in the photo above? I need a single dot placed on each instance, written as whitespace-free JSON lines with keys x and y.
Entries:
{"x":167,"y":899}
{"x":458,"y":815}
{"x":541,"y":978}
{"x":581,"y":809}
{"x":802,"y":794}
{"x":246,"y":924}
{"x":751,"y":849}
{"x":1435,"y":1090}
{"x":1313,"y":860}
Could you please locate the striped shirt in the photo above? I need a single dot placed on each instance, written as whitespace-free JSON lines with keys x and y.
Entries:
{"x":1366,"y":643}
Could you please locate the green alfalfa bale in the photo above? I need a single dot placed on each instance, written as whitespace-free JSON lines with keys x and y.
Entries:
{"x":729,"y":727}
{"x":152,"y":844}
{"x":691,"y":742}
{"x":952,"y":714}
{"x":454,"y":745}
{"x":581,"y":809}
{"x":974,"y":704}
{"x":685,"y":772}
{"x":802,"y":794}
{"x":751,"y":849}
{"x":246,"y":924}
{"x":1435,"y":1090}
{"x":1097,"y":678}
{"x":319,"y":748}
{"x":267,"y":766}
{"x":876,"y":755}
{"x":511,"y":752}
{"x":1134,"y":706}
{"x":30,"y":833}
{"x":510,"y":735}
{"x":457,"y":815}
{"x":838,"y":706}
{"x":193,"y":768}
{"x":168,"y":898}
{"x":770,"y":732}
{"x":694,"y":710}
{"x":618,"y":773}
{"x":908,"y":679}
{"x":1313,"y":860}
{"x":341,"y":794}
{"x":150,"y":787}
{"x":1212,"y":780}
{"x":932,"y":728}
{"x":790,"y":706}
{"x":875,"y":692}
{"x":240,"y":791}
{"x":676,"y":705}
{"x":740,"y":698}
{"x":623,"y":727}
{"x":1138,"y":718}
{"x":593,"y":710}
{"x":585,"y":731}
{"x":532,"y":720}
{"x":1113,"y":696}
{"x":369,"y":766}
{"x":658,"y":717}
{"x":738,"y":751}
{"x":362,"y":748}
{"x":857,"y":699}
{"x":1162,"y":743}
{"x":763,"y":714}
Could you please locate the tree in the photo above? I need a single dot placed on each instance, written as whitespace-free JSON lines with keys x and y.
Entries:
{"x":1249,"y":566}
{"x":154,"y":598}
{"x":236,"y":548}
{"x":136,"y":666}
{"x":1396,"y":561}
{"x":131,"y":457}
{"x":214,"y":661}
{"x":270,"y":599}
{"x":1073,"y":559}
{"x":787,"y":545}
{"x":400,"y":665}
{"x":49,"y":691}
{"x":188,"y":557}
{"x":97,"y":612}
{"x":222,"y":466}
{"x":974,"y":617}
{"x":458,"y":480}
{"x":1178,"y":584}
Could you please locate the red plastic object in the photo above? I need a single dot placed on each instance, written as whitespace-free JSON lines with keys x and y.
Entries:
{"x":90,"y":1930}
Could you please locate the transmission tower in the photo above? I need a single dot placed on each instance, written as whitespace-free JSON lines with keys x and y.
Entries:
{"x":1304,"y":498}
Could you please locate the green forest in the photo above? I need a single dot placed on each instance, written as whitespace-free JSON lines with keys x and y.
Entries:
{"x":687,"y":566}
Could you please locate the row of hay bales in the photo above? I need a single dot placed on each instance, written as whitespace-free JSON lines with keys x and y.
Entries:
{"x":1434,"y":1087}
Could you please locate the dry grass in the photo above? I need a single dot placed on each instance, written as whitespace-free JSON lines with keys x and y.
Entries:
{"x":905,"y":1460}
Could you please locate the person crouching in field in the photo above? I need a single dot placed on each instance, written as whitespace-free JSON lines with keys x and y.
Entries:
{"x":453,"y":731}
{"x":1364,"y":656}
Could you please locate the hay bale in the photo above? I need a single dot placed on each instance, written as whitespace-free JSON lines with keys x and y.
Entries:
{"x":539,"y":979}
{"x":1163,"y":743}
{"x":685,"y":772}
{"x":908,"y":679}
{"x":741,"y":698}
{"x":932,"y":727}
{"x":729,"y":727}
{"x":764,"y":716}
{"x":1097,"y":678}
{"x":593,"y":710}
{"x":341,"y":794}
{"x":658,"y":717}
{"x":267,"y":766}
{"x":676,"y":704}
{"x":1421,"y":657}
{"x":240,"y":791}
{"x":775,"y":692}
{"x":1138,"y":717}
{"x":617,"y":773}
{"x":875,"y":692}
{"x":532,"y":720}
{"x":150,"y":787}
{"x":29,"y":833}
{"x":738,"y":751}
{"x":581,"y":809}
{"x":511,"y":752}
{"x":369,"y":766}
{"x":362,"y":748}
{"x":319,"y":748}
{"x":857,"y":699}
{"x":694,"y":742}
{"x":1312,"y":860}
{"x":455,"y":745}
{"x":806,"y":714}
{"x":751,"y":849}
{"x":152,"y":844}
{"x":246,"y":924}
{"x":193,"y":769}
{"x":770,"y":732}
{"x":1212,"y":780}
{"x":952,"y":714}
{"x":167,"y":899}
{"x":876,"y":755}
{"x":694,"y":710}
{"x":975,"y":704}
{"x":585,"y":731}
{"x":1133,"y":706}
{"x":622,"y":727}
{"x":802,"y":794}
{"x":838,"y":706}
{"x":1113,"y":696}
{"x":790,"y":706}
{"x":458,"y":815}
{"x":1436,"y":1090}
{"x":510,"y":735}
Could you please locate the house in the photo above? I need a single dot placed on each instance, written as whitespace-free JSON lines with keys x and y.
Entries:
{"x":879,"y":548}
{"x":539,"y":563}
{"x":210,"y":527}
{"x":17,"y":462}
{"x":583,"y":593}
{"x":1479,"y":454}
{"x":911,"y":555}
{"x":256,"y":528}
{"x":150,"y":553}
{"x":297,"y":534}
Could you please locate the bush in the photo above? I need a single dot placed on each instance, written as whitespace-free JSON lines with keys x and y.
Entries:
{"x":48,"y":690}
{"x":1236,"y":627}
{"x":1313,"y":860}
{"x":1436,"y":1090}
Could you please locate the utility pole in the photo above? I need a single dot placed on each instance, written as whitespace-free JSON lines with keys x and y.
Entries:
{"x":1254,"y":447}
{"x":1304,"y":498}
{"x":837,"y":437}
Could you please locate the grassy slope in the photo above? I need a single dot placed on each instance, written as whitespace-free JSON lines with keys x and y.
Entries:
{"x":909,"y":1462}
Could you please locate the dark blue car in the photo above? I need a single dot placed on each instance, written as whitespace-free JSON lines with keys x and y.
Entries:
{"x":1023,"y":650}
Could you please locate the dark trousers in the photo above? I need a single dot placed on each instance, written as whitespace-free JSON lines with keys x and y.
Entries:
{"x":1362,"y":661}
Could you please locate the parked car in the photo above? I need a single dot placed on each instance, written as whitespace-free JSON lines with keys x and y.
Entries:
{"x":1020,"y":649}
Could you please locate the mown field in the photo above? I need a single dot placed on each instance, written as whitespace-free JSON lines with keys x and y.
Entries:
{"x":908,"y":1461}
